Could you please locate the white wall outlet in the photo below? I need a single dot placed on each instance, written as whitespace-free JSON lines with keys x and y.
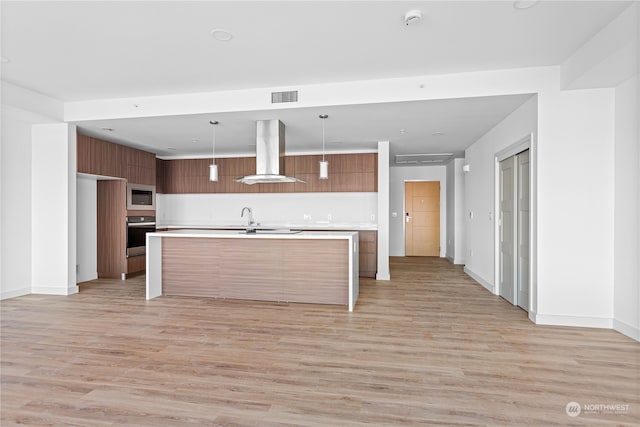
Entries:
{"x":490,"y":216}
{"x":329,"y":217}
{"x":373,"y":217}
{"x":470,"y":253}
{"x":470,"y":214}
{"x":394,"y":214}
{"x":307,"y":217}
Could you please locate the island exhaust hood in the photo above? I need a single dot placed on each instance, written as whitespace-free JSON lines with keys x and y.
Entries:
{"x":269,"y":155}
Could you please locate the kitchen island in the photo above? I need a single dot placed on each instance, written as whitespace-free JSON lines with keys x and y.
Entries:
{"x":270,"y":265}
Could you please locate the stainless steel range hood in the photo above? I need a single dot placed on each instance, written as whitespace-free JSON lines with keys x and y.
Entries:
{"x":269,"y":155}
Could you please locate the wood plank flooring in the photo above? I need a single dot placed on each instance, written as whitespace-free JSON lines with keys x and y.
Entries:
{"x":430,"y":347}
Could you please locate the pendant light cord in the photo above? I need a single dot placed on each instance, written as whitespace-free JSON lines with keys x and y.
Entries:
{"x":323,"y":140}
{"x":323,"y":117}
{"x":213,"y":160}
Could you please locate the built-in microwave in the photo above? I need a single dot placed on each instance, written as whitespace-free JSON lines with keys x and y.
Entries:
{"x":141,"y":197}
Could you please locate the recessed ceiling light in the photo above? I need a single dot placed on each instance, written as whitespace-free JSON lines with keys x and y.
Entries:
{"x":107,"y":129}
{"x":221,"y":35}
{"x":194,"y":140}
{"x":402,"y":131}
{"x":4,"y":60}
{"x":171,"y":149}
{"x":525,"y":4}
{"x":437,"y":133}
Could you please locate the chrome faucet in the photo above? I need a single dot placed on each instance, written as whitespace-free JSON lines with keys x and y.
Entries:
{"x":250,"y":221}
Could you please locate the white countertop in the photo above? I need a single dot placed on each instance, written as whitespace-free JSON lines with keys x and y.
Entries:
{"x":236,"y":234}
{"x":318,"y":225}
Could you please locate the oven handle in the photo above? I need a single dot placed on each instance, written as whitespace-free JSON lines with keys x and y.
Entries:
{"x":140,"y":224}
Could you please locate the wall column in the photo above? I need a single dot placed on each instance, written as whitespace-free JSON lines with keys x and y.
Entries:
{"x":383,"y":211}
{"x":53,"y":200}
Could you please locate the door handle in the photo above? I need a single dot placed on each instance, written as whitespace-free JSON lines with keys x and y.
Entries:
{"x":408,"y":217}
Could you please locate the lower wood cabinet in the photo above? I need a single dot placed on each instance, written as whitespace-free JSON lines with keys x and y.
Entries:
{"x":368,"y":242}
{"x":368,"y":251}
{"x":111,"y":228}
{"x":136,"y":264}
{"x":293,"y":270}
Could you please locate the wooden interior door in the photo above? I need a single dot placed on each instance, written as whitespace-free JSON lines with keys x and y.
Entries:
{"x":422,"y":218}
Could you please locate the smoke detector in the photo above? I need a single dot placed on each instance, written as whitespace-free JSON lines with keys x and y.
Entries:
{"x":412,"y":17}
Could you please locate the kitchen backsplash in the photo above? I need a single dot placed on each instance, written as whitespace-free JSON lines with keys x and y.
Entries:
{"x":297,"y":208}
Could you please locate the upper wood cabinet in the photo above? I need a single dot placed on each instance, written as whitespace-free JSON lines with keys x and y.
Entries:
{"x":160,"y":175}
{"x":98,"y":157}
{"x":140,"y":166}
{"x":347,"y":172}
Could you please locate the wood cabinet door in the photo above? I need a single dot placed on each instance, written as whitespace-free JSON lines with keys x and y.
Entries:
{"x":347,"y":173}
{"x":98,"y":157}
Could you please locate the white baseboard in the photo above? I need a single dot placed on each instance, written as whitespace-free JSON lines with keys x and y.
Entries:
{"x":15,"y":293}
{"x":50,"y":290}
{"x":454,"y":261}
{"x":80,"y":279}
{"x":380,"y":276}
{"x":578,"y":321}
{"x":626,"y":329}
{"x":480,"y":280}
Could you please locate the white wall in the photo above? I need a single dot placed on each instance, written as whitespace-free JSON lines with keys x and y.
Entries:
{"x":451,"y":211}
{"x":479,"y":189}
{"x":15,"y":182}
{"x":87,"y":229}
{"x":22,"y":109}
{"x":398,"y":175}
{"x":608,"y":58}
{"x":456,"y":224}
{"x":575,"y":209}
{"x":627,"y":210}
{"x":383,"y":272}
{"x":460,"y":235}
{"x":572,"y":167}
{"x":53,"y":216}
{"x":268,"y":208}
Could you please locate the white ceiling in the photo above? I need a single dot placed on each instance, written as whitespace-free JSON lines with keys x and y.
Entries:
{"x":80,"y":50}
{"x":348,"y":128}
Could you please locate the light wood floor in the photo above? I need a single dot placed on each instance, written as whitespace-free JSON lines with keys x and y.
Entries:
{"x":431,"y":347}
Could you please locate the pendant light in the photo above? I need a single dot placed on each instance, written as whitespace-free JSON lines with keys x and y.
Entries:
{"x":213,"y":168}
{"x":324,"y":165}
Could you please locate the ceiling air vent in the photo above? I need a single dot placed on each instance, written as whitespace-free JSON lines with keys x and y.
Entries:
{"x":280,"y":97}
{"x":422,"y":159}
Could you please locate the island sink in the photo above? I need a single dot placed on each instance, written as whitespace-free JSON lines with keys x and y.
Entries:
{"x":270,"y":231}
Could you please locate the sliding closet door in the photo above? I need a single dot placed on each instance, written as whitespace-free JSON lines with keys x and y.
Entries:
{"x":507,"y":229}
{"x":514,"y":226}
{"x":524,"y":203}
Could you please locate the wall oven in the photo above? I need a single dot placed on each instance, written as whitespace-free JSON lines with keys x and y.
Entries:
{"x":137,"y":229}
